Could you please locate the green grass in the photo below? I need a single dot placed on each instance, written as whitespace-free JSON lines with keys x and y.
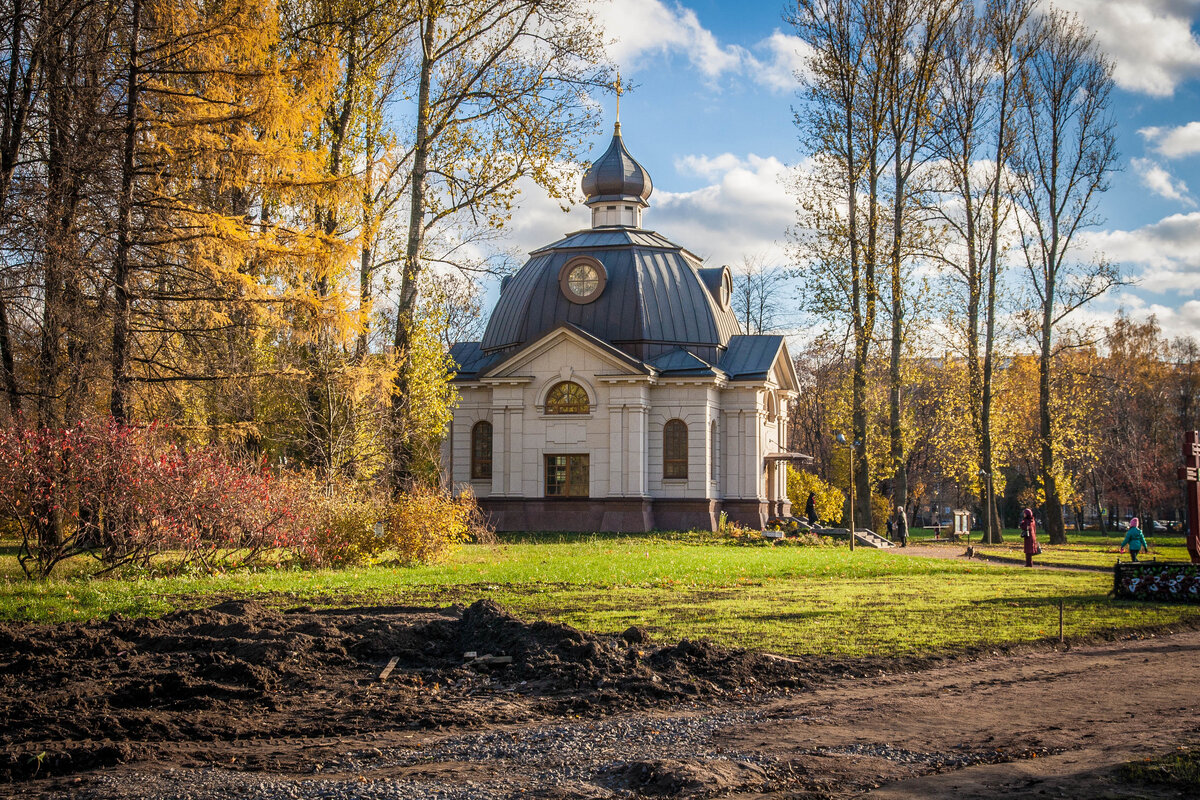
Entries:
{"x":1092,"y":548}
{"x":1177,"y":770}
{"x":785,"y":599}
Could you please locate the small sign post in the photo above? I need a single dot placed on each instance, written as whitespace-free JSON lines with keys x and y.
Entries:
{"x":1189,"y":473}
{"x":962,"y":524}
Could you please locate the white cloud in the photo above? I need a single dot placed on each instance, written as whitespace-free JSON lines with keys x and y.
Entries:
{"x":1150,"y":40}
{"x":1179,"y":320}
{"x":643,"y":28}
{"x":1178,"y":142}
{"x":1159,"y":181}
{"x":1167,"y":251}
{"x":744,"y":210}
{"x":640,"y":30}
{"x":786,"y":57}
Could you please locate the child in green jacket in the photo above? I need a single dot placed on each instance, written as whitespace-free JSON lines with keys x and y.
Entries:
{"x":1134,"y":540}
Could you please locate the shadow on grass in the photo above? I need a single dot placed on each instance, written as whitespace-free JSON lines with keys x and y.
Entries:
{"x":1073,"y":601}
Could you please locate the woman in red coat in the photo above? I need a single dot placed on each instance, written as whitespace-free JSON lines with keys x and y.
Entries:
{"x":1029,"y":536}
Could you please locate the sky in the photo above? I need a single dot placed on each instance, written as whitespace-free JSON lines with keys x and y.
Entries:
{"x":712,"y":118}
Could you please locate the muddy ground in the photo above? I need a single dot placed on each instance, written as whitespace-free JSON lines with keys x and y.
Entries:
{"x":246,"y":700}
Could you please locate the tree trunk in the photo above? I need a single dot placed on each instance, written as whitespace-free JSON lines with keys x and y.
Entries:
{"x":18,"y":89}
{"x":8,"y":370}
{"x":402,"y":447}
{"x":119,"y":404}
{"x":896,"y":429}
{"x":1053,"y":505}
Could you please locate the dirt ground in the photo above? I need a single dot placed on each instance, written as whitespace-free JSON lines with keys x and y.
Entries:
{"x":88,"y":710}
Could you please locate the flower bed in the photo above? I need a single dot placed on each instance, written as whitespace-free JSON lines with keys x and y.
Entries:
{"x":1157,"y":581}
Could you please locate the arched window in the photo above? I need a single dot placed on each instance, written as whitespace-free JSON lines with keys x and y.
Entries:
{"x":567,"y":398}
{"x":675,"y":449}
{"x":712,"y":456}
{"x":481,"y":451}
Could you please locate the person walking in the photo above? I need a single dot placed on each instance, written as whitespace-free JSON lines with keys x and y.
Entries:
{"x":900,"y":526}
{"x":810,"y":508}
{"x":1029,"y":536}
{"x":1135,"y":540}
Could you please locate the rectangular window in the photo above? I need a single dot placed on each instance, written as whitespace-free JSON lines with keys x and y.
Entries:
{"x":567,"y":476}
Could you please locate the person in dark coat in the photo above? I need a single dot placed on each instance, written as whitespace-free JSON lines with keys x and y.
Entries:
{"x":900,"y":526}
{"x":810,"y":508}
{"x":1029,"y":536}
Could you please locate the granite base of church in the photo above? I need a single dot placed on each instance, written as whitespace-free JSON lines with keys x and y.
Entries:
{"x":623,"y":514}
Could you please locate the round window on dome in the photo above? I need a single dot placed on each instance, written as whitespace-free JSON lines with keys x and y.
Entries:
{"x":726,"y":287}
{"x":582,"y":279}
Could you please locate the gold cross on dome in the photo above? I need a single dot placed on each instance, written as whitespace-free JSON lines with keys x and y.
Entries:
{"x":620,"y":90}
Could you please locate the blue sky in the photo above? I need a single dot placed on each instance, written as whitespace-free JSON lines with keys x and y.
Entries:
{"x":711,"y":118}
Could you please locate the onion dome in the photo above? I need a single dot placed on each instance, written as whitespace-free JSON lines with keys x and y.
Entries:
{"x":617,"y":176}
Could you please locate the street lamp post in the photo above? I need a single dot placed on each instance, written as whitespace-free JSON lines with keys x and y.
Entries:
{"x":987,"y":501}
{"x":842,"y":441}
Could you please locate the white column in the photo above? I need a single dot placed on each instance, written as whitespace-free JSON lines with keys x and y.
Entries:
{"x":616,"y":458}
{"x":500,"y":450}
{"x":515,"y":456}
{"x":636,"y":449}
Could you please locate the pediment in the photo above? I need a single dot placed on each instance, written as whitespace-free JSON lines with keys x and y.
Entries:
{"x":783,"y":370}
{"x":567,"y":345}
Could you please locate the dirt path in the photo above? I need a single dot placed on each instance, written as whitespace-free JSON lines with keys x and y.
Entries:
{"x":577,"y":716}
{"x":1079,"y":713}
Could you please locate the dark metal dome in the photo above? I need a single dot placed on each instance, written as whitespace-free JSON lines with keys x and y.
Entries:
{"x":654,"y":299}
{"x":616,"y":175}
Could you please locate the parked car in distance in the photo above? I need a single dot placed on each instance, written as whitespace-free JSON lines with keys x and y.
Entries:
{"x":1122,"y":525}
{"x":1159,"y":527}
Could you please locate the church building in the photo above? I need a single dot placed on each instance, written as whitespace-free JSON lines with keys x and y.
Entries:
{"x":614,"y":390}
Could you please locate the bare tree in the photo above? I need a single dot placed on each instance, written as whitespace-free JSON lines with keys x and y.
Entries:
{"x":758,"y":295}
{"x":984,"y":58}
{"x":1061,"y":164}
{"x":499,"y":96}
{"x":912,"y":41}
{"x":843,"y":120}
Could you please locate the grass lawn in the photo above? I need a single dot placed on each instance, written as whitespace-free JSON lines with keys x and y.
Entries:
{"x":790,"y":600}
{"x":1092,"y":548}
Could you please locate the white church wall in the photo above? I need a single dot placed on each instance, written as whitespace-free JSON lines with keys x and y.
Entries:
{"x":689,"y":402}
{"x":475,"y":405}
{"x":626,"y":415}
{"x":614,"y":444}
{"x":743,"y":417}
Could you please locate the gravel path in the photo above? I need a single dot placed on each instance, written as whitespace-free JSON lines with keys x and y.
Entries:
{"x":584,"y":758}
{"x":1032,"y":723}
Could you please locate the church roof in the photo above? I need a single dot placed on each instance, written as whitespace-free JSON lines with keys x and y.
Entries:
{"x":616,"y":175}
{"x":470,"y":360}
{"x":751,"y":357}
{"x":653,"y":300}
{"x":681,"y":362}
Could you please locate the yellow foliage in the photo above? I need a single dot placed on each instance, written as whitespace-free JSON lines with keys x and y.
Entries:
{"x":829,"y":500}
{"x":343,"y":525}
{"x":427,"y":524}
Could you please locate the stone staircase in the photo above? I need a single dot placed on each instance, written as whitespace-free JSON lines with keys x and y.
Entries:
{"x":866,"y":538}
{"x":862,"y":536}
{"x":871,"y":539}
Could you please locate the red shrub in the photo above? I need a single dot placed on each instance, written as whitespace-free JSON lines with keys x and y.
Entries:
{"x":122,"y":493}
